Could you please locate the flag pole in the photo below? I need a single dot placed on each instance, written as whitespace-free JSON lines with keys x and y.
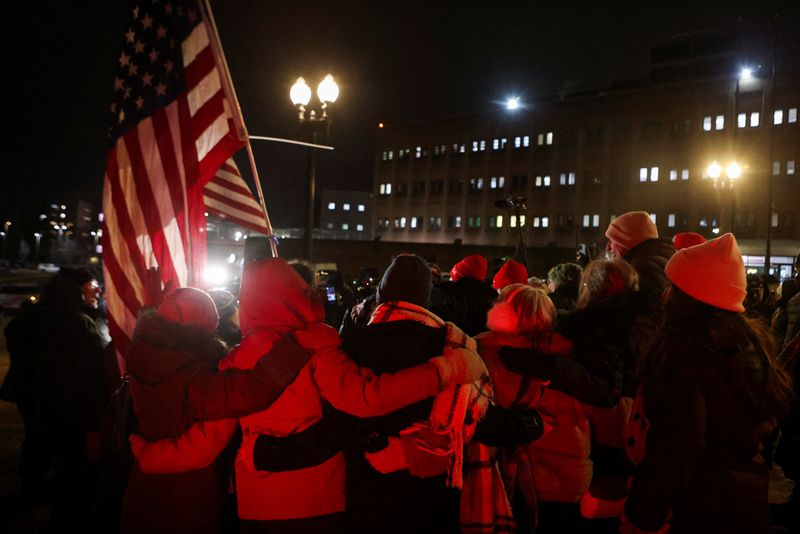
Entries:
{"x":238,"y":117}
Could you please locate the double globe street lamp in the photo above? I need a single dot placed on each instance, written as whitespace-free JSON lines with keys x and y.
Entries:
{"x":725,"y":179}
{"x":315,"y":126}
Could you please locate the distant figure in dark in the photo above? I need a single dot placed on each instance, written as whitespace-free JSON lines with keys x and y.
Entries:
{"x":563,"y":282}
{"x":227,"y":305}
{"x":466,"y":298}
{"x":780,"y":319}
{"x":58,"y":350}
{"x":337,"y":297}
{"x":756,"y":303}
{"x":436,"y":273}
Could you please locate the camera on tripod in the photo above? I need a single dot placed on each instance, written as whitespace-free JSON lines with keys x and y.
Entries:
{"x":511,"y":202}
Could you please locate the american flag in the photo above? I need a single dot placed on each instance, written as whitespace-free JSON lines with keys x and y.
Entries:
{"x":171,"y":130}
{"x":228,"y":197}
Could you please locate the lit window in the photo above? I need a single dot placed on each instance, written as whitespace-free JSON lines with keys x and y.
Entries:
{"x":741,"y":120}
{"x":522,"y":220}
{"x":495,"y":144}
{"x":703,"y":221}
{"x":685,"y":174}
{"x":571,"y":179}
{"x":346,"y":206}
{"x":414,"y":222}
{"x":643,"y":174}
{"x":526,"y":140}
{"x":330,"y":226}
{"x":790,"y":167}
{"x":360,"y":227}
{"x":331,"y":206}
{"x":653,"y":217}
{"x":653,"y":174}
{"x":776,"y":168}
{"x":549,"y":138}
{"x":586,"y":219}
{"x":673,"y":175}
{"x":792,"y":115}
{"x":418,"y":152}
{"x":777,"y":117}
{"x":537,"y":222}
{"x":483,"y":146}
{"x":595,"y":220}
{"x":545,"y":222}
{"x":755,"y":119}
{"x":538,"y":181}
{"x":774,"y":220}
{"x":517,"y":142}
{"x":345,"y":226}
{"x":474,"y":146}
{"x":547,"y":181}
{"x":707,"y":123}
{"x":719,"y":123}
{"x":671,"y":220}
{"x":540,"y":139}
{"x":402,"y":222}
{"x":512,"y":221}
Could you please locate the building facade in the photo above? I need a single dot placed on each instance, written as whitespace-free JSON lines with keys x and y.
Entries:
{"x":576,"y":162}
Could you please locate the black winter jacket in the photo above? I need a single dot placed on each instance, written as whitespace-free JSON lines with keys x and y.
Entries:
{"x":465,"y":303}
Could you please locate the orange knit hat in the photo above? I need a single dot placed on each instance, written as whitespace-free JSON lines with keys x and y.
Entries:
{"x":474,"y":266}
{"x":687,"y":239}
{"x":712,"y":272}
{"x":512,"y":272}
{"x":632,"y":228}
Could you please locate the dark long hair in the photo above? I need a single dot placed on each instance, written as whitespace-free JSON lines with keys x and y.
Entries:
{"x":713,"y":338}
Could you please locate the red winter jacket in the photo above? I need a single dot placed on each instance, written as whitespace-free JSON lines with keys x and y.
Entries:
{"x":275,"y":300}
{"x":561,"y":469}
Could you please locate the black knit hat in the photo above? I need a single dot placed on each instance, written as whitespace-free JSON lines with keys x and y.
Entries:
{"x":408,"y":278}
{"x":225,"y":302}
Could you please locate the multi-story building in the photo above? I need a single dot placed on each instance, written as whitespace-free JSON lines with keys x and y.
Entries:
{"x":346,"y":214}
{"x":580,"y":160}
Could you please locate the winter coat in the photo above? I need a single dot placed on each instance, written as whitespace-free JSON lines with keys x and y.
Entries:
{"x":395,"y":502}
{"x":561,"y":469}
{"x":275,"y":300}
{"x":465,"y":303}
{"x":792,"y":320}
{"x":564,"y":297}
{"x":174,"y":383}
{"x":702,"y":456}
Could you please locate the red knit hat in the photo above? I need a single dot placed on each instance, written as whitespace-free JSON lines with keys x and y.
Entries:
{"x":712,"y":272}
{"x":190,"y":306}
{"x":472,"y":266}
{"x":632,"y":228}
{"x":511,"y":272}
{"x":687,"y":239}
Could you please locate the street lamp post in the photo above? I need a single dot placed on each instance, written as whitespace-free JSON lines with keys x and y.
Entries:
{"x":314,"y":124}
{"x":38,"y":237}
{"x":726,"y":180}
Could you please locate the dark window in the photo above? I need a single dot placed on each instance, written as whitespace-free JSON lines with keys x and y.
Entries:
{"x":621,"y":133}
{"x":401,"y":189}
{"x":418,"y":188}
{"x":651,"y":131}
{"x":568,"y":138}
{"x":594,"y":136}
{"x":456,"y":185}
{"x":519,"y":182}
{"x":437,"y":186}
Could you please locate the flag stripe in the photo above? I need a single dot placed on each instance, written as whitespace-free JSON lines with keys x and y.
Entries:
{"x":237,"y":206}
{"x":256,"y":225}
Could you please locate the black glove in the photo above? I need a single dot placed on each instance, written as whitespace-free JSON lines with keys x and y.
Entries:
{"x":503,"y":427}
{"x":307,"y":448}
{"x":528,"y":362}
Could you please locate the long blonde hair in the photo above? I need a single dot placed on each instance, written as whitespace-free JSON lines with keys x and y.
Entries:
{"x":522,"y":309}
{"x":603,"y":279}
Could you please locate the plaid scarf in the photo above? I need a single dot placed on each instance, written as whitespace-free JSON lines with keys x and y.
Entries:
{"x":456,"y":412}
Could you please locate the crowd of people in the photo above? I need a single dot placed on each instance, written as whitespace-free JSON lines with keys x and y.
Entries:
{"x":647,"y":391}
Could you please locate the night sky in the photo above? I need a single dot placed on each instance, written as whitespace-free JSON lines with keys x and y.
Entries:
{"x":394,"y":61}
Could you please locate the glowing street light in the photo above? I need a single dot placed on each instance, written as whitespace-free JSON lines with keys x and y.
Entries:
{"x":746,"y":73}
{"x":733,"y":171}
{"x":512,"y":103}
{"x":714,"y":170}
{"x":300,"y":95}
